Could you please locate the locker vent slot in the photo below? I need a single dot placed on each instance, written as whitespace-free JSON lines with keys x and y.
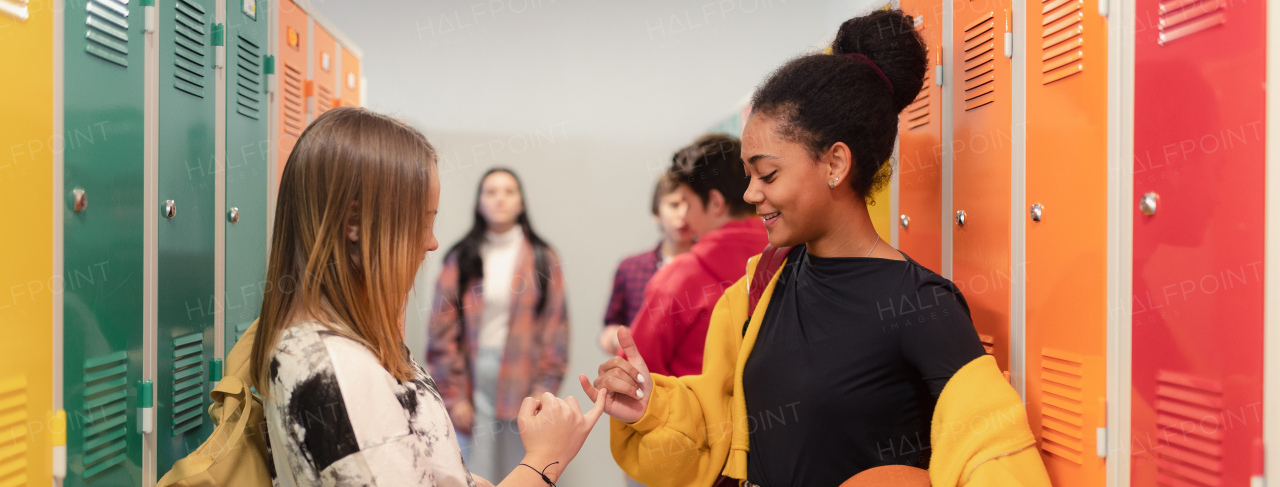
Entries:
{"x":107,"y":30}
{"x":324,"y":99}
{"x":13,"y":431}
{"x":980,"y":62}
{"x":1062,"y":46}
{"x":1062,"y":414}
{"x":105,"y":415}
{"x":988,"y":343}
{"x":249,"y":86}
{"x":1181,"y":18}
{"x":918,"y":112}
{"x":1189,"y":419}
{"x":188,"y":382}
{"x":294,"y":118}
{"x":190,"y":45}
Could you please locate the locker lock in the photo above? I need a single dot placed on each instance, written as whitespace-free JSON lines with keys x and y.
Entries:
{"x":1037,"y":211}
{"x":233,"y":215}
{"x":79,"y":200}
{"x":960,"y":218}
{"x":1148,"y":203}
{"x":906,"y":221}
{"x":170,"y":209}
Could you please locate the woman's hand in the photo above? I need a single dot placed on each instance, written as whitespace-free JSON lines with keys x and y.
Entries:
{"x":553,"y":430}
{"x":463,"y":417}
{"x":627,"y":378}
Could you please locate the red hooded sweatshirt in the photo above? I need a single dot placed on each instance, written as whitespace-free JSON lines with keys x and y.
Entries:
{"x":671,"y":327}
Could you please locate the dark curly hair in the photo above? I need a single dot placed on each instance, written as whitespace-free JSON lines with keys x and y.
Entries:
{"x":713,"y":161}
{"x":821,"y":99}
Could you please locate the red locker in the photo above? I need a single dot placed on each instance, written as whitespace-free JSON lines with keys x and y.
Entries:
{"x":1066,"y":236}
{"x":920,"y":150}
{"x":982,"y":113}
{"x":1199,"y":155}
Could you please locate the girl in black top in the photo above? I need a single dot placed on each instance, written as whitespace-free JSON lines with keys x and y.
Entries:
{"x":858,"y":340}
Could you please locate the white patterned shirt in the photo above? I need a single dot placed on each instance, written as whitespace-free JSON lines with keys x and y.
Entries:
{"x":336,"y":417}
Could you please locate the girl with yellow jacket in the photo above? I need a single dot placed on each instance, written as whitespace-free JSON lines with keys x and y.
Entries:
{"x":855,"y":356}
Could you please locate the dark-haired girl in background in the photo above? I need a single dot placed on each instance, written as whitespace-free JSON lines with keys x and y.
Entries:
{"x":855,"y":356}
{"x":499,"y":331}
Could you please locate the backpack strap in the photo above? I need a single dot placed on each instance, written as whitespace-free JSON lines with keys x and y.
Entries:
{"x":771,"y":260}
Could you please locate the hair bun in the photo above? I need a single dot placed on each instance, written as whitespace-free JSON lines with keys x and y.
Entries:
{"x":889,"y":39}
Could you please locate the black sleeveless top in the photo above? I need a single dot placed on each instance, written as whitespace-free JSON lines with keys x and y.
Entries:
{"x":848,"y":365}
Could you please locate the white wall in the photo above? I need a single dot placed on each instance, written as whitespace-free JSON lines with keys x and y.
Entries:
{"x":586,"y":100}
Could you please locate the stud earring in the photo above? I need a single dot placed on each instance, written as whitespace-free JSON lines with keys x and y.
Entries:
{"x":832,"y":184}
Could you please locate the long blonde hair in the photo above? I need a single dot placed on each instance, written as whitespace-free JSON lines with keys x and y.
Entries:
{"x":384,"y":167}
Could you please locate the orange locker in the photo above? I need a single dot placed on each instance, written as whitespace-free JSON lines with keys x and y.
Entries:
{"x":350,"y":79}
{"x":291,"y":78}
{"x":322,"y":89}
{"x":920,"y":150}
{"x":983,"y":135}
{"x":1066,"y":236}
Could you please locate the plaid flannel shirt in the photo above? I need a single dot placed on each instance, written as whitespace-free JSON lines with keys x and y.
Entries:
{"x":628,"y":286}
{"x":537,"y":350}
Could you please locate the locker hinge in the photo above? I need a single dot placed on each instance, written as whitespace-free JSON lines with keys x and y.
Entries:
{"x":58,"y":433}
{"x":1101,"y":440}
{"x":150,"y":19}
{"x":1008,"y":34}
{"x":1104,"y":8}
{"x":269,"y":69}
{"x":937,"y":67}
{"x":146,"y":409}
{"x":219,"y":42}
{"x":215,"y":371}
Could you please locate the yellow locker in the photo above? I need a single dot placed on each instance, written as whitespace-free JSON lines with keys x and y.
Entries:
{"x":27,"y":279}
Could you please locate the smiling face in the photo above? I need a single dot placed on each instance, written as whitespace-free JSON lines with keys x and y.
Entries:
{"x":500,"y":201}
{"x":788,"y":186}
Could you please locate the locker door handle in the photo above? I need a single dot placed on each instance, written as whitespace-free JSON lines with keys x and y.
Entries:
{"x":16,"y":9}
{"x":1149,"y":203}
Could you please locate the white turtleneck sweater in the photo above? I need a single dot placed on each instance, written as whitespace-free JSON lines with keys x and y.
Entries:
{"x":499,"y":254}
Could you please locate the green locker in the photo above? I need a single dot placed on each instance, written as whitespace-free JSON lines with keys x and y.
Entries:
{"x":185,"y":237}
{"x":102,"y":146}
{"x":246,"y":165}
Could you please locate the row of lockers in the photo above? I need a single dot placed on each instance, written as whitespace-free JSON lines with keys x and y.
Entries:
{"x":1005,"y":190}
{"x":145,"y":141}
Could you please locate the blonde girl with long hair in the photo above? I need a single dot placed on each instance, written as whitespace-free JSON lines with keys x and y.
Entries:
{"x":345,"y":402}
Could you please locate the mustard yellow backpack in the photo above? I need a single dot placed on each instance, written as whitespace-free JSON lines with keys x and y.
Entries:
{"x":236,"y":454}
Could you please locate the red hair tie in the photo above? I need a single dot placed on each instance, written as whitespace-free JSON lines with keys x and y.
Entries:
{"x":871,"y":63}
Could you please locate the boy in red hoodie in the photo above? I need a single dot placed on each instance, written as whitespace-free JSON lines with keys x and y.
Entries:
{"x":671,"y":327}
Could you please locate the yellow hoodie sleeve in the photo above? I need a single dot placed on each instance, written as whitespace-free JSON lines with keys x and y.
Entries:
{"x":980,"y":432}
{"x":685,"y":435}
